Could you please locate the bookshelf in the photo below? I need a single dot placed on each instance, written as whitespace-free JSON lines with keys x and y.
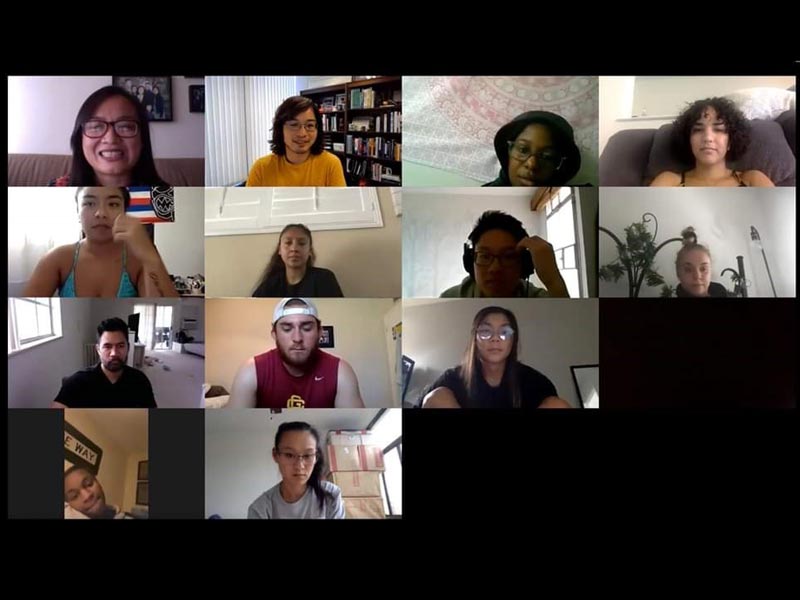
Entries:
{"x":362,"y":125}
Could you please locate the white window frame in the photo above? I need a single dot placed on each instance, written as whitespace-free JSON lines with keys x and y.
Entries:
{"x":15,"y":345}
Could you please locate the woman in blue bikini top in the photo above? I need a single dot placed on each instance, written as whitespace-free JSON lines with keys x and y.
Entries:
{"x":115,"y":258}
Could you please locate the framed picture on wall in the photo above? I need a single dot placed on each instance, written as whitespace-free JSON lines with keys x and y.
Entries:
{"x":326,"y":339}
{"x":142,"y":474}
{"x":154,"y":93}
{"x":197,"y":98}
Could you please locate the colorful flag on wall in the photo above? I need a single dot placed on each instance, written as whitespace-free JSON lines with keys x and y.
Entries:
{"x":152,"y":204}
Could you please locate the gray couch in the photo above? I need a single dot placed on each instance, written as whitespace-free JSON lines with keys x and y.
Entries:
{"x":635,"y":156}
{"x":39,"y":169}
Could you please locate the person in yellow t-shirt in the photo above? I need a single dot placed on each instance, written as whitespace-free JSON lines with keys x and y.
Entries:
{"x":297,"y":158}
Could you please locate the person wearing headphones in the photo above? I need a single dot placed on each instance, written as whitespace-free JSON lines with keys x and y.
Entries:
{"x":500,"y":257}
{"x":536,"y":148}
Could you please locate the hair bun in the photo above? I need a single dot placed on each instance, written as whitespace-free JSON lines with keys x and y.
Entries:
{"x":689,"y":236}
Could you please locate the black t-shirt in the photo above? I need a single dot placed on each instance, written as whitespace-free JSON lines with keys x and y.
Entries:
{"x":534,"y":388}
{"x":316,"y":283}
{"x":90,"y":388}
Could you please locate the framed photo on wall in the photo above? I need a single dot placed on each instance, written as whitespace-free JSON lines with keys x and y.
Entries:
{"x":326,"y":339}
{"x":154,"y":93}
{"x":197,"y":98}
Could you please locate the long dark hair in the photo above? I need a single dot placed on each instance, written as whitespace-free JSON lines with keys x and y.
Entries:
{"x":276,"y":264}
{"x":315,"y":480}
{"x":287,"y":111}
{"x":471,"y":366}
{"x":144,"y":171}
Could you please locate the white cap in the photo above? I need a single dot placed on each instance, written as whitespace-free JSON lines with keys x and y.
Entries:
{"x":282,"y":311}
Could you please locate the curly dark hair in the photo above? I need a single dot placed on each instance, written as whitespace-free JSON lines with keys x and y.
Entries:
{"x":288,"y":110}
{"x":736,"y":124}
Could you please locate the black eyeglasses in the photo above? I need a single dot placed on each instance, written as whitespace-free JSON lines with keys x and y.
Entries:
{"x":522,"y":151}
{"x":125,"y":128}
{"x":485,"y":259}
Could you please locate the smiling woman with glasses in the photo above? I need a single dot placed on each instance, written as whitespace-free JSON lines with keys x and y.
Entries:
{"x":298,"y":157}
{"x":490,"y":374}
{"x":537,"y":148}
{"x":111,"y":143}
{"x":302,"y":492}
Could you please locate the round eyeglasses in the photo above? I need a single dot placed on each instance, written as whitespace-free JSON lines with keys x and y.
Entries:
{"x":522,"y":152}
{"x":484,"y":334}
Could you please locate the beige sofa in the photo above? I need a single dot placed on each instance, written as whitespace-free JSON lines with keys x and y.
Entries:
{"x":39,"y":169}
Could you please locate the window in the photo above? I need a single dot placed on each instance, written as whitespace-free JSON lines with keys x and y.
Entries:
{"x":32,"y":321}
{"x":387,"y":433}
{"x":146,"y":323}
{"x":243,"y":210}
{"x":562,"y":234}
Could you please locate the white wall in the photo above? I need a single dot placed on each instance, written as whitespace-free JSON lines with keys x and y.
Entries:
{"x":555,"y":333}
{"x":35,"y":374}
{"x":42,"y":111}
{"x":436,"y":223}
{"x":238,"y":461}
{"x":393,"y":316}
{"x":664,"y":96}
{"x":239,"y":328}
{"x":194,"y":308}
{"x":722,"y":218}
{"x":307,"y":83}
{"x":181,"y":244}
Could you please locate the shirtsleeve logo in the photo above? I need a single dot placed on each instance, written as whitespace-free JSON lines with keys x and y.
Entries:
{"x":295,"y":401}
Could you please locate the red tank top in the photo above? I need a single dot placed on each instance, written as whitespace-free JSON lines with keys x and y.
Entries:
{"x":277,"y":388}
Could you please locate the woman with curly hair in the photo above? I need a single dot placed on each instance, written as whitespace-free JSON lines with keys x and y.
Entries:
{"x":708,"y":134}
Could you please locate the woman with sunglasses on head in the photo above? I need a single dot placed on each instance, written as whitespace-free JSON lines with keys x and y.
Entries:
{"x":111,"y":143}
{"x":302,"y":492}
{"x":298,"y":158}
{"x":537,"y":148}
{"x":490,"y":374}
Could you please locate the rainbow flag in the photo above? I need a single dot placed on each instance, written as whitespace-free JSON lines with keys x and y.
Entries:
{"x":152,"y":205}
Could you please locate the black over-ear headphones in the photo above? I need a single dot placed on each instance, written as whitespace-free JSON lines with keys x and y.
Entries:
{"x":526,"y":261}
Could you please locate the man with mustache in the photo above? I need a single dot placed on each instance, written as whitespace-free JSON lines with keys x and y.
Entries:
{"x":112,"y":383}
{"x":84,"y":497}
{"x":296,"y":373}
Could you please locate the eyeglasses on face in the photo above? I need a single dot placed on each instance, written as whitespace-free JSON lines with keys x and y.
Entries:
{"x":486,"y":333}
{"x":485,"y":259}
{"x":292,"y":457}
{"x":95,"y":128}
{"x":297,"y":125}
{"x":522,"y":151}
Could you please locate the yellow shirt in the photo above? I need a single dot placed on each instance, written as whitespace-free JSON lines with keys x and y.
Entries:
{"x":318,"y":170}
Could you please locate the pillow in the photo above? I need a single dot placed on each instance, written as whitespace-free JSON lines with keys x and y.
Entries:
{"x":763,"y":102}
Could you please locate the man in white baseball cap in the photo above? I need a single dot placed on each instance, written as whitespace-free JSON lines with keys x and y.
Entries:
{"x":296,"y":373}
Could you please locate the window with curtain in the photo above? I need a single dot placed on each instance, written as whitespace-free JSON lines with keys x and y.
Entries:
{"x":239,"y":112}
{"x":37,"y":223}
{"x":147,"y":323}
